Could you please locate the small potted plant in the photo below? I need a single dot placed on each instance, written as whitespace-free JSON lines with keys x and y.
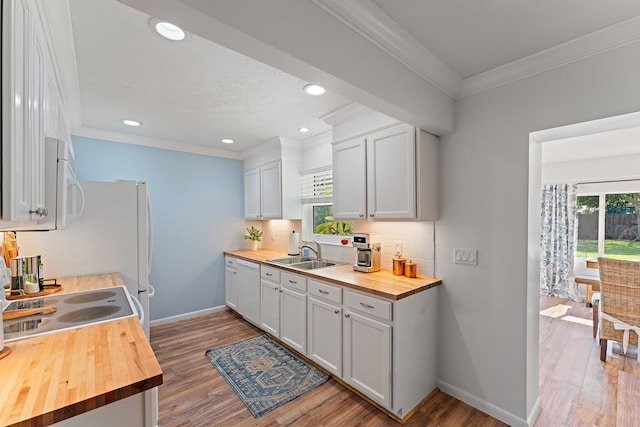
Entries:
{"x":254,"y":236}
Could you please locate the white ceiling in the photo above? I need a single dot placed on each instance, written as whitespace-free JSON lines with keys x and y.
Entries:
{"x":198,"y":92}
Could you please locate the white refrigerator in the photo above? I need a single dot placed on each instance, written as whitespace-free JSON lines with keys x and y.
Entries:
{"x":113,"y":234}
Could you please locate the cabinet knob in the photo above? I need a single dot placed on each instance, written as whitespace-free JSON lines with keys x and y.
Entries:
{"x":337,"y":311}
{"x":40,"y":211}
{"x":346,"y":316}
{"x":361,"y":215}
{"x":371,"y":215}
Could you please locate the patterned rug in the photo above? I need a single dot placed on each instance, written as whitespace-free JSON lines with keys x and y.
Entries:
{"x":264,"y":374}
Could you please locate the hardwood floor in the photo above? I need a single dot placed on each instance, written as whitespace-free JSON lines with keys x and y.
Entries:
{"x":194,"y":394}
{"x":577,"y":389}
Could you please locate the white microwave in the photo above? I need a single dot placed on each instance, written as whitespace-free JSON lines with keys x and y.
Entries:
{"x":63,"y":196}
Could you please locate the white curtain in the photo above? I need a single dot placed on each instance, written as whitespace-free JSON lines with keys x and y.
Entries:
{"x":558,"y":240}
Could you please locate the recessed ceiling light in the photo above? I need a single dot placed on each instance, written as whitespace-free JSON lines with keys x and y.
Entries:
{"x":304,"y":130}
{"x":312,"y":89}
{"x":167,"y":30}
{"x":227,"y":140}
{"x":129,"y":122}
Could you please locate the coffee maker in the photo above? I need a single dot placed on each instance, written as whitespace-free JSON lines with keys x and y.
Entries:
{"x":368,"y":255}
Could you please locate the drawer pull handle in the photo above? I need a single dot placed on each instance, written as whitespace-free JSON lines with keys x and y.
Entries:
{"x":293,"y":282}
{"x":337,"y":311}
{"x":366,"y":305}
{"x":268,"y":274}
{"x":323,"y":292}
{"x":280,"y":290}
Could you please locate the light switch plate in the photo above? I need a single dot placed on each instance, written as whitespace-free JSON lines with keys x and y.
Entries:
{"x":465,"y":256}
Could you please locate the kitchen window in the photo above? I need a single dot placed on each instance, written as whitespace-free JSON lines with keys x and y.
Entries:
{"x":317,"y":209}
{"x":608,"y":225}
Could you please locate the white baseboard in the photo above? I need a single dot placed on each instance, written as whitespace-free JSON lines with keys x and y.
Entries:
{"x":186,"y":316}
{"x":483,"y":405}
{"x":535,"y":411}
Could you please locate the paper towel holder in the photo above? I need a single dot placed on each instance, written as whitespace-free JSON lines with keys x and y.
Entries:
{"x":293,"y":244}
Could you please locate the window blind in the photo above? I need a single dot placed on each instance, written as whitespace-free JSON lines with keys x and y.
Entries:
{"x":317,"y":187}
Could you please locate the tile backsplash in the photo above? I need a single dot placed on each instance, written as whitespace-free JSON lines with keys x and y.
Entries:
{"x":417,"y":240}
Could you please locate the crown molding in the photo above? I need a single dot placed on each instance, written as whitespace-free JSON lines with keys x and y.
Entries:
{"x":595,"y":43}
{"x":368,"y":20}
{"x":163,"y":144}
{"x":371,"y":22}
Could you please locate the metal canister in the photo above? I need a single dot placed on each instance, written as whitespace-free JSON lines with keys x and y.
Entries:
{"x":33,"y":266}
{"x":17,"y":270}
{"x":410,"y":269}
{"x":398,"y":266}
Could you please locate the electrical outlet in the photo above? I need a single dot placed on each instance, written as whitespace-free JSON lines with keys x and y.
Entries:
{"x":465,"y":256}
{"x":273,"y":235}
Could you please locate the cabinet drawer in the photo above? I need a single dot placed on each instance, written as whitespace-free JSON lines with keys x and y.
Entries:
{"x":270,"y":273}
{"x":293,"y":281}
{"x":369,"y":305}
{"x":230,"y":261}
{"x":325,"y":291}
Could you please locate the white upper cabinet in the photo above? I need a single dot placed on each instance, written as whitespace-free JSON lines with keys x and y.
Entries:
{"x":350,"y":170}
{"x":24,"y":73}
{"x":271,"y":190}
{"x":272,"y":180}
{"x":391,"y":171}
{"x":389,"y":174}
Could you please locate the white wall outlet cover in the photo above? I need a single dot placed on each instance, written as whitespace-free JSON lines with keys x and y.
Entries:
{"x":273,"y":235}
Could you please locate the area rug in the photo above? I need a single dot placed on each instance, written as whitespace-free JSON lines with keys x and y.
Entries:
{"x":264,"y":374}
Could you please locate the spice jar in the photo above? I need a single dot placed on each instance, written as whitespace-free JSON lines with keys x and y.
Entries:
{"x":410,"y":269}
{"x":398,"y":266}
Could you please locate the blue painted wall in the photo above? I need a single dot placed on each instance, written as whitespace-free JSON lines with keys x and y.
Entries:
{"x":197,"y":207}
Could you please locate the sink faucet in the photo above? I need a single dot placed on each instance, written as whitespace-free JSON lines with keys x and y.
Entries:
{"x":317,"y":251}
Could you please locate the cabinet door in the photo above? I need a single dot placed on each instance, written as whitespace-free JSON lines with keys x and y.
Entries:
{"x":367,"y":356}
{"x":231,"y":287}
{"x":271,"y":190}
{"x":293,"y":316}
{"x":270,"y":307}
{"x":391,"y":173}
{"x":350,"y":179}
{"x":38,"y":81}
{"x":17,"y":49}
{"x":325,"y":335}
{"x":252,"y":194}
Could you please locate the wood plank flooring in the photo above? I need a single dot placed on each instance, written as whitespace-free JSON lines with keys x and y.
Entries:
{"x":194,"y":394}
{"x":577,"y":389}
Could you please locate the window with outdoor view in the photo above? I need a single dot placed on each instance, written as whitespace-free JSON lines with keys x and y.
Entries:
{"x":317,"y":198}
{"x":608,"y":226}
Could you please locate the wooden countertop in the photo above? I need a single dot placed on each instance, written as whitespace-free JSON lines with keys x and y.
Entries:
{"x":48,"y":378}
{"x":381,"y":283}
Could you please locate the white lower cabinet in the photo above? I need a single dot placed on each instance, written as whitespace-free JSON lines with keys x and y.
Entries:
{"x":231,"y":283}
{"x":293,"y":319}
{"x":325,"y":335}
{"x":381,"y":347}
{"x":270,"y":307}
{"x":367,"y":356}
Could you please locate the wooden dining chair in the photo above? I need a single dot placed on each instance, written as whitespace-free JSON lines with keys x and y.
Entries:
{"x":619,"y":299}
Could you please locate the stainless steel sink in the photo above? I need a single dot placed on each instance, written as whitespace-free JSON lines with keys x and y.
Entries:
{"x":304,"y":262}
{"x":292,"y":259}
{"x":312,"y":265}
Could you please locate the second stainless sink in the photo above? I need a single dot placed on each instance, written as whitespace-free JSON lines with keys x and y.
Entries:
{"x":304,"y":262}
{"x":292,"y":259}
{"x":312,"y":265}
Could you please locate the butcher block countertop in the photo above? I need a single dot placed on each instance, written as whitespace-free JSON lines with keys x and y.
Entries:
{"x":51,"y":377}
{"x":381,"y":283}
